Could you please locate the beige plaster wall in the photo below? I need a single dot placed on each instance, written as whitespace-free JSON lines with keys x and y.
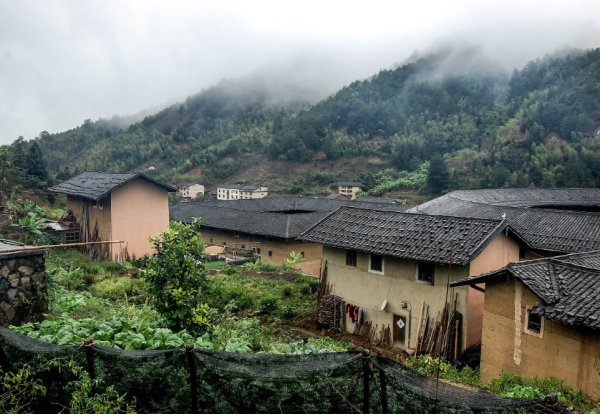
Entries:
{"x":562,"y":351}
{"x":501,"y":251}
{"x":280,"y":248}
{"x":139,"y":210}
{"x":398,"y":283}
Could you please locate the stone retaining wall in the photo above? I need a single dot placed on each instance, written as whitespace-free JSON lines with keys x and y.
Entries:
{"x":23,"y":288}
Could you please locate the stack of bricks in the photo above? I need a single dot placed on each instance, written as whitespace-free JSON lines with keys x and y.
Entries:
{"x":23,"y":288}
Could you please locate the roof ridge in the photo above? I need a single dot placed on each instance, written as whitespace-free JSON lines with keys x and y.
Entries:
{"x":413,"y":214}
{"x":513,"y":207}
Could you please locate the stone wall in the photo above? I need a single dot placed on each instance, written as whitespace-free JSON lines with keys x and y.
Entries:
{"x":23,"y":288}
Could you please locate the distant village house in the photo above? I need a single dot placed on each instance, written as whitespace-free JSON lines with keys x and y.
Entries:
{"x":189,"y":191}
{"x":129,"y":207}
{"x":350,"y":188}
{"x":240,"y":192}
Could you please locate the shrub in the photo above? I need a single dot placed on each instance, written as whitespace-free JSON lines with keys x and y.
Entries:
{"x":305,"y":289}
{"x":118,"y":287}
{"x":246,"y":300}
{"x":267,"y":304}
{"x":232,"y":271}
{"x":286,"y":291}
{"x":312,"y":283}
{"x":175,"y":277}
{"x":288,"y":312}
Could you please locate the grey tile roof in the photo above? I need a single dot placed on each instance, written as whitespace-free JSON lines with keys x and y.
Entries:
{"x":265,"y":216}
{"x":546,"y":229}
{"x":404,"y":235}
{"x":351,"y":183}
{"x":531,"y":197}
{"x":376,"y":200}
{"x":568,"y":286}
{"x":95,"y":185}
{"x":334,"y":196}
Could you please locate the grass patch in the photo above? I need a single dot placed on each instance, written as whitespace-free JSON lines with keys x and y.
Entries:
{"x":515,"y":385}
{"x":216,"y":265}
{"x":115,"y":288}
{"x":279,"y":298}
{"x":426,"y":364}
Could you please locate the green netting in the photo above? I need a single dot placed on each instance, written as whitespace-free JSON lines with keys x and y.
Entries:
{"x":160,"y":381}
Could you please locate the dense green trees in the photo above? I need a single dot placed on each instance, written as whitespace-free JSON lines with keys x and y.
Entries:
{"x":438,"y":176}
{"x":493,"y":130}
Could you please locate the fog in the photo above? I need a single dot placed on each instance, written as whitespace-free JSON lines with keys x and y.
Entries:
{"x":62,"y":62}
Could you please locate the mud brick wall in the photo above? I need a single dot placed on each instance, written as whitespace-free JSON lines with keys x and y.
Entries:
{"x":23,"y":288}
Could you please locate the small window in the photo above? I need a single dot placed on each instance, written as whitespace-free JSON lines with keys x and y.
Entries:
{"x":243,"y":246}
{"x":425,"y":272}
{"x":237,"y":234}
{"x":211,"y":239}
{"x":258,"y":250}
{"x":94,"y":204}
{"x":270,"y":253}
{"x":351,"y":258}
{"x":521,"y":251}
{"x":534,"y":322}
{"x":224,"y":243}
{"x":302,"y":254}
{"x":376,"y":263}
{"x":101,"y":203}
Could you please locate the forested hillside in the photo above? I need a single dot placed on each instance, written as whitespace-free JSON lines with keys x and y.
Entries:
{"x":537,"y":127}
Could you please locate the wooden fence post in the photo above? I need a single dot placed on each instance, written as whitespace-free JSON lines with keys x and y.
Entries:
{"x":189,"y":349}
{"x":383,"y":385}
{"x":366,"y":354}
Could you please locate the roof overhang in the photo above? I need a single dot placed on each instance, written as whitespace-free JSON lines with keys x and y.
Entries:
{"x":475,"y":280}
{"x":167,"y":187}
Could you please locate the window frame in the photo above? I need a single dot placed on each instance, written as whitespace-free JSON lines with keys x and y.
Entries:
{"x":378,"y":272}
{"x":349,"y":254}
{"x":423,"y":281}
{"x":270,"y":254}
{"x":531,"y":332}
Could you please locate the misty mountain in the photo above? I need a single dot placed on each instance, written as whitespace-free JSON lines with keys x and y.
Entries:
{"x":535,"y":126}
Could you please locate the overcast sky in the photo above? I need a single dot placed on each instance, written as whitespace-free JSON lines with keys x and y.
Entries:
{"x":65,"y":61}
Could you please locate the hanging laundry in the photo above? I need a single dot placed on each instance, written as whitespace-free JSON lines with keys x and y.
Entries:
{"x":356,"y":309}
{"x":360,"y":315}
{"x":351,"y":312}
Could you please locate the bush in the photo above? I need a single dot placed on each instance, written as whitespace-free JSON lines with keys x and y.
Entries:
{"x":246,"y":300}
{"x":232,"y":271}
{"x":288,"y":312}
{"x":308,"y":284}
{"x":118,"y":287}
{"x":267,"y":304}
{"x":175,"y":278}
{"x":286,"y":291}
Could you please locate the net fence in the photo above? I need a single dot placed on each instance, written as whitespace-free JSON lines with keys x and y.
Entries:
{"x":191,"y":380}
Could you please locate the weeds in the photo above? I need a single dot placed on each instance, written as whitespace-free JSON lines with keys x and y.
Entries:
{"x":516,"y":385}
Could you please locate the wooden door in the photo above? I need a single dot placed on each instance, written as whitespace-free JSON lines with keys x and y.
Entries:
{"x":399,"y":333}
